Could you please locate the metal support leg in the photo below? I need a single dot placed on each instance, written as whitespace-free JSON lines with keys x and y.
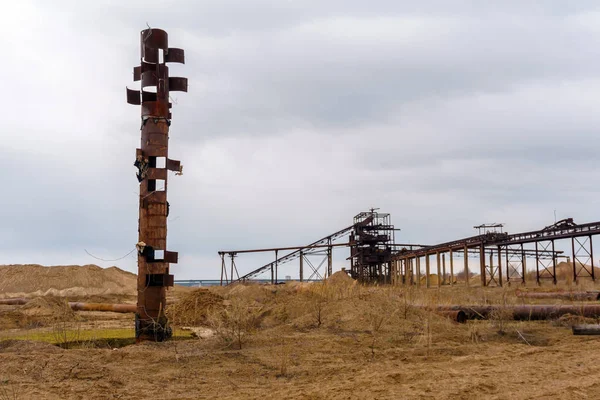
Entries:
{"x":439,"y":269}
{"x":507,"y":267}
{"x":524,"y":266}
{"x":466,"y":255}
{"x":499,"y":266}
{"x":418,"y":267}
{"x":553,"y":265}
{"x":592,"y":259}
{"x":451,"y":268}
{"x":329,"y":260}
{"x":223,"y":268}
{"x":482,"y":264}
{"x":427,"y":272}
{"x":276,"y":266}
{"x":444,"y":269}
{"x":492,"y":272}
{"x":301,"y":266}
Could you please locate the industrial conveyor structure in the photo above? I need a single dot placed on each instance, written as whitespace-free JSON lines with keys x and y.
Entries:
{"x":502,"y":258}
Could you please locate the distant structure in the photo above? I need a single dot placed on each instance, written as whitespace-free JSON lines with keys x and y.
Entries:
{"x":371,"y":246}
{"x":153,"y":165}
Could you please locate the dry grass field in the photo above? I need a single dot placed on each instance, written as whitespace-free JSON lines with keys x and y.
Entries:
{"x":336,"y":340}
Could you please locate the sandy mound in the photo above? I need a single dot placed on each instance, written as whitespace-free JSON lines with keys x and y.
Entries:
{"x":193,"y":307}
{"x":72,"y":280}
{"x":340,"y":278}
{"x":49,"y":307}
{"x":41,"y":311}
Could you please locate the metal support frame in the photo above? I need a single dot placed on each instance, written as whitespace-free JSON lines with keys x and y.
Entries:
{"x":515,"y":264}
{"x":545,"y":268}
{"x":583,"y":253}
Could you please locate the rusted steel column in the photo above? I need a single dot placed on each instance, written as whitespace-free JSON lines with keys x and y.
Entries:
{"x":329,"y":259}
{"x":482,"y":264}
{"x":499,"y":266}
{"x":418,"y":267}
{"x":223,"y":271}
{"x":427,"y":272}
{"x":301,"y":266}
{"x":523,"y":265}
{"x":537,"y":265}
{"x":439,"y":269}
{"x":553,"y":264}
{"x":153,"y":165}
{"x":276,"y":265}
{"x":451,"y":256}
{"x":444,"y":268}
{"x":466,"y":255}
{"x":574,"y":260}
{"x":592,"y":259}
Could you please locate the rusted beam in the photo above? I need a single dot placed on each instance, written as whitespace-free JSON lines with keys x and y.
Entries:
{"x":588,"y":329}
{"x":585,"y":296}
{"x":527,"y":312}
{"x":15,"y":301}
{"x":118,"y":308}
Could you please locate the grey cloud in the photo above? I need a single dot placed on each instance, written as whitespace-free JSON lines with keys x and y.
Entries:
{"x":300,"y":114}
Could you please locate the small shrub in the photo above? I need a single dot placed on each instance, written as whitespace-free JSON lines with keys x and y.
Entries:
{"x":235,"y":323}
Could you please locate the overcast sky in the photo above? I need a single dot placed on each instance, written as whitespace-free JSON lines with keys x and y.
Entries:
{"x":300,"y":114}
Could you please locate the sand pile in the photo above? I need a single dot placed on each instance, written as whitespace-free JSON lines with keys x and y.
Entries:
{"x":71,"y":280}
{"x":192,"y":308}
{"x":41,"y":311}
{"x":340,"y":278}
{"x":48,"y":307}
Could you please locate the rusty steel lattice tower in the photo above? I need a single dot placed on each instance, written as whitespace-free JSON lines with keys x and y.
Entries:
{"x":153,"y":165}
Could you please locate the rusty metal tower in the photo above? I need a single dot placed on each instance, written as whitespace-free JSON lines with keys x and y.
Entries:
{"x":153,"y":165}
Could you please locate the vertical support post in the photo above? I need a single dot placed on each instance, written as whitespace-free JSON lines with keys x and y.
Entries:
{"x":574,"y":260}
{"x":222,"y":267}
{"x":553,"y":264}
{"x":466,"y":253}
{"x":451,"y":268}
{"x":507,"y":266}
{"x":427,"y":272}
{"x":301,"y":266}
{"x":500,"y":266}
{"x":439,"y":269}
{"x":443,"y":268}
{"x":272,"y":275}
{"x":523,"y":265}
{"x":276,"y":266}
{"x":329,"y":259}
{"x":418,"y":267}
{"x":231,"y":255}
{"x":482,"y":264}
{"x":492,"y":272}
{"x":592,"y":259}
{"x":537,"y":265}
